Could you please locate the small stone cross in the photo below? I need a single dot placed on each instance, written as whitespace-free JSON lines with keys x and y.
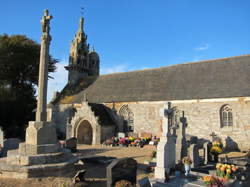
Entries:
{"x":213,"y":135}
{"x":183,"y":119}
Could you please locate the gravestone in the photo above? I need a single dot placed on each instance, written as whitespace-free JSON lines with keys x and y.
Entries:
{"x":206,"y":147}
{"x":181,"y":144}
{"x":121,"y":135}
{"x":71,"y":144}
{"x":1,"y":137}
{"x":121,"y":169}
{"x":194,"y":155}
{"x":1,"y":142}
{"x":166,"y":146}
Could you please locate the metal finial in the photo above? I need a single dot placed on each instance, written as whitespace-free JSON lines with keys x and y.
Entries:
{"x":82,"y":9}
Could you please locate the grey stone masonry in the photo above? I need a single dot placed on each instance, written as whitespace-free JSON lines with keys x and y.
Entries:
{"x":41,"y":114}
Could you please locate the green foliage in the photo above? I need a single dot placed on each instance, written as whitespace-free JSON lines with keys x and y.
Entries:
{"x":19,"y":67}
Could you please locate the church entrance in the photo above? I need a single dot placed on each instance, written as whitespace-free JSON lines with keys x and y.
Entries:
{"x":84,"y":133}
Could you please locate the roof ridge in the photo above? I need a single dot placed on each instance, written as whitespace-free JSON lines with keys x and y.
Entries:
{"x":173,"y":65}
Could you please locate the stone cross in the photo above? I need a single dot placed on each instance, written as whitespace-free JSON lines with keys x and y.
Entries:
{"x":213,"y":135}
{"x":41,"y":114}
{"x":181,"y":144}
{"x":168,"y":114}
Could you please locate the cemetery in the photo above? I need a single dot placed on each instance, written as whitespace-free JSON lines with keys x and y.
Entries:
{"x":97,"y":151}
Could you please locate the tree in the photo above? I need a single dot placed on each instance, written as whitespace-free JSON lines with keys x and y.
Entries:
{"x":19,"y":67}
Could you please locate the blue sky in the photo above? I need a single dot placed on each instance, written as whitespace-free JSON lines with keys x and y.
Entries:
{"x":135,"y":34}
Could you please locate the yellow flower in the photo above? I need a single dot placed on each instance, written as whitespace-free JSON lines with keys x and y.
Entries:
{"x":228,"y":171}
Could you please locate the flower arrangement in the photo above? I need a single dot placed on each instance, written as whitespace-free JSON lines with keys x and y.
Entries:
{"x":129,"y":141}
{"x":186,"y":160}
{"x":216,"y":148}
{"x":225,"y":171}
{"x":213,"y":181}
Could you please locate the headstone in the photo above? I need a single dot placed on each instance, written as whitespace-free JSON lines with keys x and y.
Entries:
{"x":1,"y":142}
{"x":144,"y":182}
{"x":206,"y":146}
{"x":1,"y":137}
{"x":71,"y":144}
{"x":10,"y":144}
{"x":121,"y":135}
{"x":166,"y":146}
{"x":121,"y":169}
{"x":194,"y":155}
{"x":181,"y":144}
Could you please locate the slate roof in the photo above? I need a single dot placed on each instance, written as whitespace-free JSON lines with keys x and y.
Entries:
{"x":219,"y":78}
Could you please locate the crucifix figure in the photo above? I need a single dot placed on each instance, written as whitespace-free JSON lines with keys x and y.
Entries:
{"x":168,"y":114}
{"x":45,"y":22}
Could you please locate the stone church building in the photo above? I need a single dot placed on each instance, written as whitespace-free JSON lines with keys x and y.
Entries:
{"x":214,"y":95}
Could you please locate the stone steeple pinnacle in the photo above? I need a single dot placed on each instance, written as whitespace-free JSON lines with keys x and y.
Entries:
{"x":81,"y":25}
{"x":81,"y":63}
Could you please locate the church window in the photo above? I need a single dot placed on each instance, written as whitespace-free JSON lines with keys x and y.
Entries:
{"x":128,"y":118}
{"x":226,"y":116}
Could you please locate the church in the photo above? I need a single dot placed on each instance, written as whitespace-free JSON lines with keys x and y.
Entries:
{"x":214,"y":96}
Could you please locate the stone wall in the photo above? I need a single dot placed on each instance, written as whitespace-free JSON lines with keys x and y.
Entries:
{"x":59,"y":115}
{"x":203,"y":118}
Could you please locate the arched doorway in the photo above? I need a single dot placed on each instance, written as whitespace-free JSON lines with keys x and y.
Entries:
{"x":128,"y":118}
{"x":84,"y":133}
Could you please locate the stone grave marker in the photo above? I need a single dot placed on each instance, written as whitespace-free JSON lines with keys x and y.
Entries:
{"x":71,"y":144}
{"x":181,"y":144}
{"x":166,"y":147}
{"x":1,"y":141}
{"x":1,"y":137}
{"x":206,"y":147}
{"x":121,"y":169}
{"x":194,"y":155}
{"x":121,"y":135}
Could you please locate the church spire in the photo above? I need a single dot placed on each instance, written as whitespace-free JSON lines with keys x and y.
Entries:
{"x":80,"y":25}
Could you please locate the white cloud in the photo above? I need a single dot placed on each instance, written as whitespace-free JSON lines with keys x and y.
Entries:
{"x":114,"y":69}
{"x":202,"y":48}
{"x":60,"y":78}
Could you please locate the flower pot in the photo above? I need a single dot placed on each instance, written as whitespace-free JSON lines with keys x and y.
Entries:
{"x":187,"y":169}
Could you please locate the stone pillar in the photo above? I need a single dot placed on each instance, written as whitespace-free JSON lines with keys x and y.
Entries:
{"x":41,"y":114}
{"x":41,"y":136}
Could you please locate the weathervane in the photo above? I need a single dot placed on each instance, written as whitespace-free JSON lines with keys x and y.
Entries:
{"x":82,"y":9}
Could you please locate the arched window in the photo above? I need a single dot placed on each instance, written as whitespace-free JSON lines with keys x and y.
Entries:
{"x":128,"y":117}
{"x":226,"y":115}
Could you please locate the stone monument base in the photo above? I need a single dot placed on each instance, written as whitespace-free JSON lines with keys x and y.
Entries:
{"x":39,"y":156}
{"x":20,"y":166}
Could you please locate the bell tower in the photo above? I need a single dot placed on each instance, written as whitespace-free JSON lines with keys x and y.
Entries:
{"x":80,"y":65}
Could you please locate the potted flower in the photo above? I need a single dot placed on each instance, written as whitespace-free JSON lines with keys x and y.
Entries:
{"x":216,"y":149}
{"x":187,"y":164}
{"x":225,"y":171}
{"x":213,"y":181}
